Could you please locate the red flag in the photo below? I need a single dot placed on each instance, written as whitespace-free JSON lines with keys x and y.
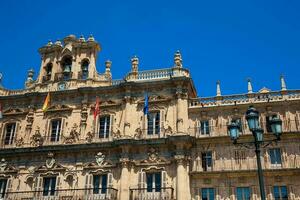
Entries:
{"x":97,"y":108}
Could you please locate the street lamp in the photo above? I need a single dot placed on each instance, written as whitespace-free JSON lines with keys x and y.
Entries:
{"x":252,"y":117}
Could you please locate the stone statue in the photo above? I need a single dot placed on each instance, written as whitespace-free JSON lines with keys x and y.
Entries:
{"x":100,"y":159}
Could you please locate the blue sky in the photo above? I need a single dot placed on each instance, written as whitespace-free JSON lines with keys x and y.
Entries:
{"x":219,"y":40}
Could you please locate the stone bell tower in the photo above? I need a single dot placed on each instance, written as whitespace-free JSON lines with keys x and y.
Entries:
{"x":72,"y":59}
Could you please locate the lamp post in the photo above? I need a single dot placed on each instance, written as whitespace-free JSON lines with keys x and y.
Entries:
{"x":252,"y":117}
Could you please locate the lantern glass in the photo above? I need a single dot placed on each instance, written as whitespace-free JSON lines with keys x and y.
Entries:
{"x":252,"y":118}
{"x":276,"y":126}
{"x":233,"y":129}
{"x":259,"y":134}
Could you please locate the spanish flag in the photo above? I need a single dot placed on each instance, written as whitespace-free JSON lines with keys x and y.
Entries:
{"x":46,"y":103}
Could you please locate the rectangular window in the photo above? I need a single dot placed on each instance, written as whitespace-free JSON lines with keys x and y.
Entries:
{"x":206,"y":161}
{"x":104,"y":126}
{"x":153,"y":182}
{"x":204,"y":127}
{"x":275,"y":156}
{"x":243,"y":193}
{"x":207,"y":193}
{"x":10,"y":133}
{"x":55,"y":130}
{"x":280,"y":193}
{"x":49,"y":186}
{"x":153,"y":123}
{"x":3,"y":183}
{"x":100,"y":184}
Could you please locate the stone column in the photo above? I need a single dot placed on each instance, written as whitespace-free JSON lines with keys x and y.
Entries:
{"x":182,"y":111}
{"x":124,"y":179}
{"x":181,"y":183}
{"x":127,"y":116}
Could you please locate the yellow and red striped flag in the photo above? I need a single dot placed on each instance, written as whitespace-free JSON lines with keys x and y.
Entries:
{"x":46,"y":103}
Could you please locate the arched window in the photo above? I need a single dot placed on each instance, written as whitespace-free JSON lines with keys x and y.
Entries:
{"x":48,"y":72}
{"x":67,"y":67}
{"x":85,"y":69}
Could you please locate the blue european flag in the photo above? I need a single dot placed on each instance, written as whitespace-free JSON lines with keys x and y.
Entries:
{"x":146,"y":107}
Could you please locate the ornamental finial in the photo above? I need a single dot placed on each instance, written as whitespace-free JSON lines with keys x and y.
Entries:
{"x":91,"y":38}
{"x":107,"y":67}
{"x":134,"y":64}
{"x":49,"y":43}
{"x":282,"y":82}
{"x":178,"y":59}
{"x":250,"y":91}
{"x":218,"y":89}
{"x":81,"y":38}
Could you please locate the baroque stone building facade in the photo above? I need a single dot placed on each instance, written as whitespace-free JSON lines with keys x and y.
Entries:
{"x":179,"y":150}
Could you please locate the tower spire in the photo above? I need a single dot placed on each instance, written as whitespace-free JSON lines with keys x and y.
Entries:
{"x":282,"y":82}
{"x":250,"y":91}
{"x":218,"y":88}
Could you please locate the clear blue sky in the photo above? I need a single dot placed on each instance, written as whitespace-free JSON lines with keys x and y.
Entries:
{"x":219,"y":40}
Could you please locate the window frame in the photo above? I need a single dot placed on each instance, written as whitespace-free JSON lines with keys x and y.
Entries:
{"x":85,"y":73}
{"x":107,"y":126}
{"x":156,"y":185}
{"x":243,"y":191}
{"x":204,"y":128}
{"x":10,"y":137}
{"x":277,"y":157}
{"x":3,"y":187}
{"x":208,"y":160}
{"x":153,"y":128}
{"x":280,"y":188}
{"x":51,"y":189}
{"x":100,"y":189}
{"x":57,"y":134}
{"x":207,"y":192}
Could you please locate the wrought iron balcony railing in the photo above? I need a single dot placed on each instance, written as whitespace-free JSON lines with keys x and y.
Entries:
{"x":164,"y":193}
{"x":70,"y":194}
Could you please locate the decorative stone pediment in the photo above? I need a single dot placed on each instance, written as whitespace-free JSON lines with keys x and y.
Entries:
{"x":14,"y":111}
{"x":59,"y":107}
{"x":153,"y":158}
{"x":100,"y":162}
{"x":50,"y":164}
{"x":264,"y":90}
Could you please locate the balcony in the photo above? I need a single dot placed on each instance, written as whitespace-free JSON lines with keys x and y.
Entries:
{"x":72,"y":194}
{"x":166,"y":193}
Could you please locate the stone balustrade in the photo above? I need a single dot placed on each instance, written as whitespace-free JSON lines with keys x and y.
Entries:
{"x":244,"y":99}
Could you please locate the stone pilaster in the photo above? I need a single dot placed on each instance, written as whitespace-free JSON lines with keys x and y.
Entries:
{"x":125,"y":176}
{"x":182,"y":111}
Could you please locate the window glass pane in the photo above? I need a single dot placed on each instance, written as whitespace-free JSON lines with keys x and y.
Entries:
{"x":157,"y":182}
{"x":275,"y":156}
{"x":104,"y":184}
{"x":96,"y":184}
{"x":239,"y":194}
{"x":153,"y":123}
{"x":247,"y":193}
{"x":276,"y":193}
{"x":52,"y":186}
{"x":149,"y":178}
{"x":3,"y":183}
{"x":211,"y":194}
{"x":104,"y":126}
{"x":49,"y":186}
{"x":10,"y":133}
{"x":46,"y":186}
{"x":204,"y":127}
{"x":284,"y":193}
{"x":204,"y":194}
{"x":55,"y":130}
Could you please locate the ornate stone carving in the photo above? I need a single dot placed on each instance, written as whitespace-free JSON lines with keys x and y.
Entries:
{"x":116,"y":134}
{"x":153,"y":156}
{"x":89,"y":136}
{"x":100,"y":157}
{"x":20,"y":142}
{"x":178,"y":59}
{"x":50,"y":161}
{"x":73,"y":136}
{"x":84,"y":114}
{"x":3,"y":165}
{"x":36,"y":138}
{"x":168,"y":130}
{"x":138,"y":133}
{"x":30,"y":118}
